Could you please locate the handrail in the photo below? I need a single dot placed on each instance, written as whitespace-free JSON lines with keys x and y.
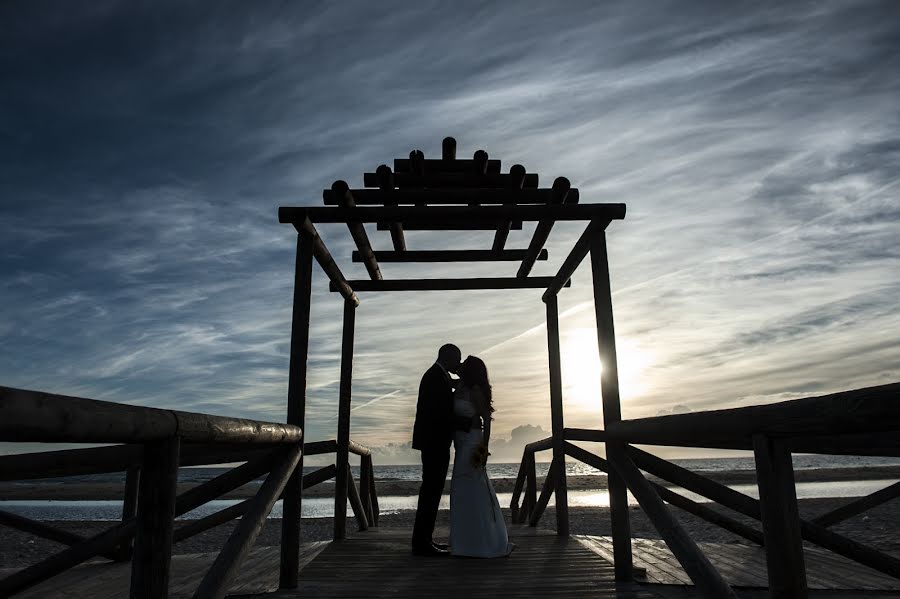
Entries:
{"x":46,"y":417}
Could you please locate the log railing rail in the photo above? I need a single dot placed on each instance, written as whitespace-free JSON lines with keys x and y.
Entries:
{"x":151,"y":445}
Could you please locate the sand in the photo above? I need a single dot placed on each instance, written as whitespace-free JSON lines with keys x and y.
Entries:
{"x":876,"y":528}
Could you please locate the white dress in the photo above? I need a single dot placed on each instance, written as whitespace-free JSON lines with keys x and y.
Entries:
{"x":477,"y":528}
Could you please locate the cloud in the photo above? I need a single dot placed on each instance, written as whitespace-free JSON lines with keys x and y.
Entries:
{"x":147,"y":150}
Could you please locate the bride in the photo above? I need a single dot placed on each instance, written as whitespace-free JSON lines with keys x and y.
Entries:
{"x":477,"y":528}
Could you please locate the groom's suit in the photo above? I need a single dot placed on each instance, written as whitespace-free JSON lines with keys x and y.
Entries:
{"x":432,"y":434}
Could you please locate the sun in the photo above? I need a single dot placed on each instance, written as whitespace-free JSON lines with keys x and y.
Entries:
{"x":581,"y":367}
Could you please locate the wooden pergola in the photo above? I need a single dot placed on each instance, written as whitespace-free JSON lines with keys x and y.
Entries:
{"x":450,"y":194}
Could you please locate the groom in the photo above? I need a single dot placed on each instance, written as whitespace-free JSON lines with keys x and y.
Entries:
{"x":432,"y":434}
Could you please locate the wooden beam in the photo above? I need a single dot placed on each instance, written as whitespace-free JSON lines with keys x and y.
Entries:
{"x":385,"y":182}
{"x":70,"y":462}
{"x":517,"y":490}
{"x":780,"y":519}
{"x":575,"y":257}
{"x":224,"y":570}
{"x":544,"y":499}
{"x":558,"y":195}
{"x":584,"y":434}
{"x":556,"y":418}
{"x":434,"y":165}
{"x":298,"y":215}
{"x":856,"y":412}
{"x":323,"y":257}
{"x":480,"y":160}
{"x":341,"y":191}
{"x":320,"y":447}
{"x":451,"y":256}
{"x":530,"y":489}
{"x":585,"y":456}
{"x":869,"y":444}
{"x":704,"y":575}
{"x":289,"y":560}
{"x":195,"y":527}
{"x":516,"y":183}
{"x":858,"y":506}
{"x":620,"y":518}
{"x":448,"y":149}
{"x":449,"y":225}
{"x":452,"y":180}
{"x":540,"y":445}
{"x":46,"y":531}
{"x":373,"y":494}
{"x":449,"y":196}
{"x":343,"y":433}
{"x":46,"y":417}
{"x":366,"y":472}
{"x":708,"y":514}
{"x":448,"y":284}
{"x":151,"y":562}
{"x":359,"y":511}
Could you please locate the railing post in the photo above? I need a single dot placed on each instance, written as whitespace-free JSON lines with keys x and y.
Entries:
{"x":155,"y":518}
{"x":556,"y":416}
{"x":780,"y":519}
{"x":129,"y":508}
{"x":343,"y":435}
{"x":612,"y":411}
{"x":530,"y":487}
{"x":296,"y":414}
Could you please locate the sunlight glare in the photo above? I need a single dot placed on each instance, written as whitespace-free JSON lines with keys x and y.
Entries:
{"x":581,"y":367}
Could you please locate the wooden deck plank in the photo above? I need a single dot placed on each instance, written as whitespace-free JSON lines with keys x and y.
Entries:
{"x":745,"y":566}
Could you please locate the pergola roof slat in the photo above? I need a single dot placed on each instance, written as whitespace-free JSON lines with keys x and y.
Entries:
{"x":375,"y":197}
{"x":436,"y":165}
{"x":452,"y":180}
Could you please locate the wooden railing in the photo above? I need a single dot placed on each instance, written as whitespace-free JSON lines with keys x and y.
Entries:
{"x":150,"y":445}
{"x":858,"y":422}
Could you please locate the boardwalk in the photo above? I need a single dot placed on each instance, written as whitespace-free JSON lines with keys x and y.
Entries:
{"x":377,"y":563}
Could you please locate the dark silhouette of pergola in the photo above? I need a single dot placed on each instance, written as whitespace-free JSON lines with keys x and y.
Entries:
{"x":450,"y":194}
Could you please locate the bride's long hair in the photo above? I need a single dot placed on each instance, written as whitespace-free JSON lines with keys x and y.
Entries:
{"x":474,"y":373}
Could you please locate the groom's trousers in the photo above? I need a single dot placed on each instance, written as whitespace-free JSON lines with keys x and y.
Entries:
{"x":434,"y":472}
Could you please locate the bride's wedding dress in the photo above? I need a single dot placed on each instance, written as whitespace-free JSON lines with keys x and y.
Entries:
{"x":477,"y":528}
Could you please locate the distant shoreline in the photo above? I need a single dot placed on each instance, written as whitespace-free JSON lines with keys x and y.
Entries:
{"x":62,"y":490}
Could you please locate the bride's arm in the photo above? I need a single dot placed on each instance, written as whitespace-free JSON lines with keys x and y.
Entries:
{"x":483,"y":409}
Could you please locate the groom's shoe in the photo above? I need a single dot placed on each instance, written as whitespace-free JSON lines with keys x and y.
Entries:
{"x":429,"y":551}
{"x":440,"y":546}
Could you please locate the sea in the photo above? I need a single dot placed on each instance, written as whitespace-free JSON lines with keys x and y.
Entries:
{"x":317,"y":507}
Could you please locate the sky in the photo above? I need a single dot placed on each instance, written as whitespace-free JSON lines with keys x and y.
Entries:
{"x":145,"y":149}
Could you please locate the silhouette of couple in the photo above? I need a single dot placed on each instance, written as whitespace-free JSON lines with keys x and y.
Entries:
{"x":457,"y":410}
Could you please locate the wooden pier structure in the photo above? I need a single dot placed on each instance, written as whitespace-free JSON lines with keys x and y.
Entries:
{"x":447,"y":194}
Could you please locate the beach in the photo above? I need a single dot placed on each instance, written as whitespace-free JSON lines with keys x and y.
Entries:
{"x":94,"y":491}
{"x":876,"y":527}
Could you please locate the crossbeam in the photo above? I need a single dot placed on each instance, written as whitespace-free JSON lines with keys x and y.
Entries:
{"x":449,"y":284}
{"x":450,"y":256}
{"x":418,"y":214}
{"x":436,"y":165}
{"x":450,"y":225}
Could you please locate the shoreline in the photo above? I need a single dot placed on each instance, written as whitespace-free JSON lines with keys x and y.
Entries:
{"x":876,"y":528}
{"x":62,"y":490}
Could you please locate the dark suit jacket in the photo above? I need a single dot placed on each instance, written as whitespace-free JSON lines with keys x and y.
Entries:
{"x":434,"y":411}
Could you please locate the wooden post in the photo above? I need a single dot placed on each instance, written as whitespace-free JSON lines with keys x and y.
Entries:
{"x":155,"y":518}
{"x":530,"y":488}
{"x":373,"y":494}
{"x":612,"y":412}
{"x":129,"y":507}
{"x":365,"y":486}
{"x":343,"y":433}
{"x":296,"y":414}
{"x":556,"y":417}
{"x":780,"y":519}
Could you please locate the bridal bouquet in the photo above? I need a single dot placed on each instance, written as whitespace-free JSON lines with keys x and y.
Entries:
{"x":479,"y":456}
